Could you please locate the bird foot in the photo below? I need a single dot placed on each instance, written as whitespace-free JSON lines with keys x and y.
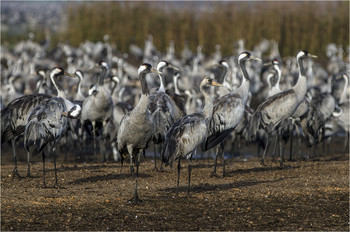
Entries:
{"x":15,"y":174}
{"x":162,"y":170}
{"x":262,"y":164}
{"x":134,"y":200}
{"x":58,"y":187}
{"x":155,"y":169}
{"x":214,"y":174}
{"x":292,"y":160}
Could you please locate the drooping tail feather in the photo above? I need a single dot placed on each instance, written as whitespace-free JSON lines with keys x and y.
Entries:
{"x":34,"y":135}
{"x":168,"y":151}
{"x":162,"y":123}
{"x":215,"y":139}
{"x":254,"y":126}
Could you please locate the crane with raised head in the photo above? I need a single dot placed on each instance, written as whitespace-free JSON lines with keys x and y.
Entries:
{"x":228,"y":112}
{"x":163,"y":109}
{"x":279,"y":107}
{"x":187,"y":133}
{"x":137,"y":129}
{"x":98,"y":107}
{"x":47,"y":122}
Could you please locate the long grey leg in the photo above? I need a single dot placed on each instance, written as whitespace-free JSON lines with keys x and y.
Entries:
{"x":263,"y":157}
{"x":43,"y":155}
{"x":94,"y":137}
{"x":15,"y":170}
{"x":28,"y":161}
{"x":178,"y":176}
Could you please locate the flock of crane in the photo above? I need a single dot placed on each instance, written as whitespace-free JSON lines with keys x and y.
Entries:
{"x":193,"y":102}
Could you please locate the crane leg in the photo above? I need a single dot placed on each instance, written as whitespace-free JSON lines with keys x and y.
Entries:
{"x":216,"y":162}
{"x":346,"y":142}
{"x":155,"y":157}
{"x":15,"y":170}
{"x":43,"y":155}
{"x":263,"y":157}
{"x":274,"y":147}
{"x":161,"y":169}
{"x":189,"y":175}
{"x":135,"y":199}
{"x":28,"y":162}
{"x":281,"y":151}
{"x":102,"y":142}
{"x":94,"y":138}
{"x":238,"y":139}
{"x":54,"y":163}
{"x":178,"y":176}
{"x":291,"y":148}
{"x":222,"y":146}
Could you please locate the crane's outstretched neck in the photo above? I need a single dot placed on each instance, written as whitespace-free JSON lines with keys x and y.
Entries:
{"x":208,"y":103}
{"x":300,"y":87}
{"x":59,"y":88}
{"x":343,"y":95}
{"x":243,"y":89}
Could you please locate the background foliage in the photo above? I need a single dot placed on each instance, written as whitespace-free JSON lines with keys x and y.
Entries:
{"x":294,"y":25}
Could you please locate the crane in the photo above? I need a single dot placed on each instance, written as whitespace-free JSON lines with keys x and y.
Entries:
{"x":228,"y":111}
{"x":163,"y":109}
{"x":47,"y":121}
{"x":188,"y":132}
{"x":137,"y":129}
{"x":98,"y":107}
{"x":281,"y":106}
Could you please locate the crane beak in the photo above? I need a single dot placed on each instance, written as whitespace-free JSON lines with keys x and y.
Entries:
{"x":214,"y":83}
{"x":156,"y":71}
{"x":173,"y":67}
{"x":70,"y":75}
{"x":312,"y":56}
{"x":255,"y":58}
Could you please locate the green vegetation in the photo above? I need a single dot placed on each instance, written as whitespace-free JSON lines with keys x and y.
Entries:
{"x":294,"y":25}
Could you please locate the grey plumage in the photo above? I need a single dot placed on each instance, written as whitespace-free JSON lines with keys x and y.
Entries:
{"x":228,"y":110}
{"x":163,"y":109}
{"x":137,"y":128}
{"x":281,"y":106}
{"x":188,"y":132}
{"x":47,"y":122}
{"x":98,"y":107}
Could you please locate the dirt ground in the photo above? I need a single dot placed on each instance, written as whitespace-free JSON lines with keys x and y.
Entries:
{"x":304,"y":195}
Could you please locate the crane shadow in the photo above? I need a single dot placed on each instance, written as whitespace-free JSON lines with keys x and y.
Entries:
{"x":213,"y":187}
{"x":107,"y":177}
{"x":260,"y":169}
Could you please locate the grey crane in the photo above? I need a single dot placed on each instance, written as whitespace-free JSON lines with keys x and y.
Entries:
{"x":79,"y":96}
{"x":188,"y":132}
{"x":14,"y":115}
{"x":98,"y":107}
{"x":163,"y":109}
{"x":228,"y":112}
{"x":47,"y":122}
{"x":275,"y":88}
{"x":343,"y":121}
{"x":281,"y":106}
{"x":137,"y":129}
{"x":13,"y":121}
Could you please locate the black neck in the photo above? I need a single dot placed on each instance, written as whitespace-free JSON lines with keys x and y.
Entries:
{"x":301,"y":67}
{"x":144,"y":85}
{"x":244,"y":70}
{"x":101,"y":78}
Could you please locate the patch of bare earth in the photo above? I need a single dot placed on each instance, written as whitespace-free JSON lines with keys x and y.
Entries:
{"x":304,"y":195}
